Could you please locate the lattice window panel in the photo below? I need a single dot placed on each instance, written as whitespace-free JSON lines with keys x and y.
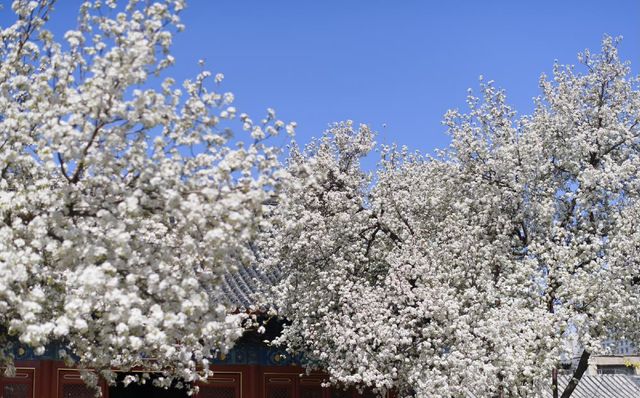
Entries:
{"x":77,"y":391}
{"x":310,"y":392}
{"x":279,"y":392}
{"x":16,"y":391}
{"x":217,"y":392}
{"x":340,"y":393}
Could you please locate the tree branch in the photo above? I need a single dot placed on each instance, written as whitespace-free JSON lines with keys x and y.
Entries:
{"x":62,"y":168}
{"x":554,"y":382}
{"x":577,"y":375}
{"x":85,"y":151}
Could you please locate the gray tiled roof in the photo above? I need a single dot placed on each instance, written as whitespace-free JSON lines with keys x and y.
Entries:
{"x":603,"y":386}
{"x":596,"y":386}
{"x":240,"y":286}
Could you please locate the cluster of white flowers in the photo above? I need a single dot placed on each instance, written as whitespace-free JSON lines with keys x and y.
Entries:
{"x":475,"y":270}
{"x":121,"y":205}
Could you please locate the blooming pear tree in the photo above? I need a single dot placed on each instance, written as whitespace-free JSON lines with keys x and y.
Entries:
{"x":476,"y":270}
{"x":123,"y":196}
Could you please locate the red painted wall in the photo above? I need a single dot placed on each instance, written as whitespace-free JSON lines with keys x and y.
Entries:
{"x":53,"y":379}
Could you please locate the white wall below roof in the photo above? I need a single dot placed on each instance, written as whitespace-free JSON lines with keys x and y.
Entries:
{"x":619,"y":360}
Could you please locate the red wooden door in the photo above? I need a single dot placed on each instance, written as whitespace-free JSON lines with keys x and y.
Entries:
{"x":71,"y":385}
{"x":222,"y":385}
{"x":279,"y":385}
{"x":311,"y":387}
{"x":292,"y":385}
{"x":21,"y":385}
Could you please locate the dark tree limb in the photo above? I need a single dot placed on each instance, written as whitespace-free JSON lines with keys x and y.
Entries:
{"x":577,"y":375}
{"x":62,"y":168}
{"x":554,"y":382}
{"x":81,"y":164}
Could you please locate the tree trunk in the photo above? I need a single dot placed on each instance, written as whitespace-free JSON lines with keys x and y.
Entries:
{"x":577,"y":375}
{"x":554,"y":382}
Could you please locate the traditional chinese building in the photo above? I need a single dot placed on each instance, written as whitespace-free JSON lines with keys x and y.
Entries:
{"x":252,"y":369}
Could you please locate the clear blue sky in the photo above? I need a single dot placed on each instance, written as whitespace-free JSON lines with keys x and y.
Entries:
{"x":401,"y":63}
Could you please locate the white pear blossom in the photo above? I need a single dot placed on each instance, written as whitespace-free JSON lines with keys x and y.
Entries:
{"x":474,"y":271}
{"x":121,"y":204}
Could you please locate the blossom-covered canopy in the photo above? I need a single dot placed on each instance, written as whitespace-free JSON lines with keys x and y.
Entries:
{"x":478,"y":269}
